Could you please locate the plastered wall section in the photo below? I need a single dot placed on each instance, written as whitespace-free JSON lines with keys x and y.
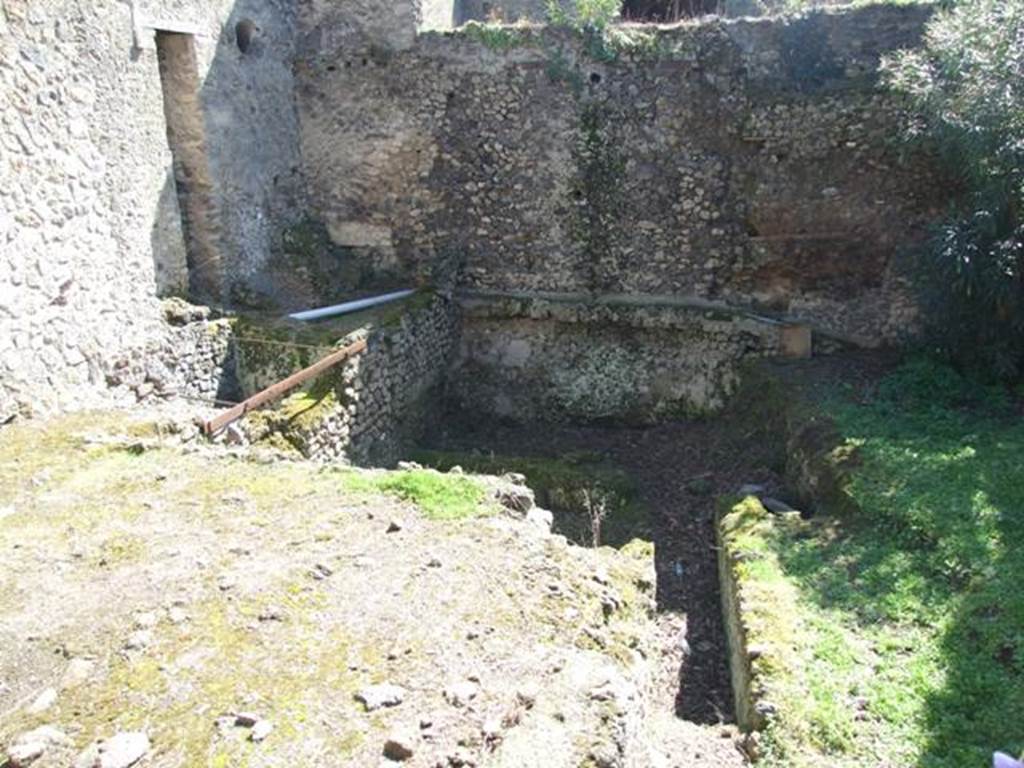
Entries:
{"x":549,"y":361}
{"x":90,"y":231}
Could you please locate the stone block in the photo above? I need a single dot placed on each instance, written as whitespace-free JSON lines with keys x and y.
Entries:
{"x":795,"y":341}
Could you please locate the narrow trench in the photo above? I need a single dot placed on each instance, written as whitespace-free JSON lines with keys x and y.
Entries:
{"x":678,"y":471}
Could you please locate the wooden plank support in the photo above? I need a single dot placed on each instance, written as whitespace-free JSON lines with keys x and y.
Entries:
{"x":275,"y":391}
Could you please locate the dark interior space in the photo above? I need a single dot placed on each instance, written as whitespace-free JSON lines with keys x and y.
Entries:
{"x":668,"y":10}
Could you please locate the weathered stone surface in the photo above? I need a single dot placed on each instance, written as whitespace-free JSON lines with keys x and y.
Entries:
{"x":747,"y":162}
{"x":375,"y":697}
{"x":32,"y":745}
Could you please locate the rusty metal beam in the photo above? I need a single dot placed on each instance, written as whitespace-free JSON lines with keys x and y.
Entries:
{"x":275,"y":391}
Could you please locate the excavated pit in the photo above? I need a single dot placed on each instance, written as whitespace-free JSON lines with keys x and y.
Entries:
{"x":675,"y":472}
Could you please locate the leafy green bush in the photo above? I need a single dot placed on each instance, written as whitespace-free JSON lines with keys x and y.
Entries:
{"x":968,"y":84}
{"x":924,"y":384}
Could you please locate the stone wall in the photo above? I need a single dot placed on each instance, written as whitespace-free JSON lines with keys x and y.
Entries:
{"x":194,"y":358}
{"x":579,"y":360}
{"x":750,"y":162}
{"x":90,"y":228}
{"x":369,"y":408}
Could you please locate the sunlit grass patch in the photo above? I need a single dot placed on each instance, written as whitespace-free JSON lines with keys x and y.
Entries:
{"x":914,"y":604}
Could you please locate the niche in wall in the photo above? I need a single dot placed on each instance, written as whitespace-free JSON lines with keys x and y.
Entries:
{"x":186,"y":135}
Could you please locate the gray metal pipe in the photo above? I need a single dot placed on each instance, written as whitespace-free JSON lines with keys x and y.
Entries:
{"x":351,"y":306}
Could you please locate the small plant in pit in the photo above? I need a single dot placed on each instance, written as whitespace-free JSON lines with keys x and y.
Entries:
{"x":597,"y":511}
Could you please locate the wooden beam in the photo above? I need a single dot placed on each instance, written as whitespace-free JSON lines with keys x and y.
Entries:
{"x":275,"y":391}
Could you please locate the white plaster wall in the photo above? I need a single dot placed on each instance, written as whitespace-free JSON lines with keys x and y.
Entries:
{"x":89,"y":226}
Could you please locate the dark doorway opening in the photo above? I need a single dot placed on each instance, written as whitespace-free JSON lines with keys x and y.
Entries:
{"x":668,"y":10}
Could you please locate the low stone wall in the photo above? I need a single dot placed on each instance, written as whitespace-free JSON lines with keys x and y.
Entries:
{"x":194,"y":358}
{"x":759,"y":613}
{"x":380,"y":400}
{"x":557,"y":360}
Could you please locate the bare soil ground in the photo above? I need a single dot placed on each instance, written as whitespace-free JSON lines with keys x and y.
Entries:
{"x":184,"y":593}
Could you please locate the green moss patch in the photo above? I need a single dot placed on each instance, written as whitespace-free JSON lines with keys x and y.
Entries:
{"x":439,"y":496}
{"x":574,"y":488}
{"x":768,"y":647}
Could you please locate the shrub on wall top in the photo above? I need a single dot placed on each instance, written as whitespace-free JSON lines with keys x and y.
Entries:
{"x":584,"y":14}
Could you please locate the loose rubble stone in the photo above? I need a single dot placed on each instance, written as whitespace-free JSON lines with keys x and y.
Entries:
{"x":400,"y":746}
{"x":260,"y":730}
{"x":177,"y":615}
{"x":462,"y":758}
{"x":146,"y":620}
{"x":375,"y":697}
{"x":518,"y":499}
{"x":527,"y":693}
{"x":491,"y":729}
{"x":43,"y":701}
{"x":77,"y":672}
{"x":461,"y":693}
{"x":541,"y":518}
{"x":119,"y":751}
{"x":272,"y":613}
{"x":30,"y":746}
{"x":321,"y":571}
{"x":139,"y":640}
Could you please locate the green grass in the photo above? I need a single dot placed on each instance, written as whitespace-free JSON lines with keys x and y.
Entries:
{"x":439,"y":496}
{"x":914,"y":605}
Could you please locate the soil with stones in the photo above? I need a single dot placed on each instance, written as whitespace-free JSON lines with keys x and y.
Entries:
{"x":679,"y":469}
{"x":165,"y":603}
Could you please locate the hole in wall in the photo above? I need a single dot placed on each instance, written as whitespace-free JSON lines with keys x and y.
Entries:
{"x":246,"y":33}
{"x":595,"y":77}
